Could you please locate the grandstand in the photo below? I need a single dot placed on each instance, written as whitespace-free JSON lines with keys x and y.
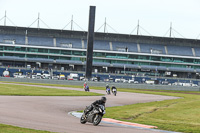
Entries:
{"x":113,"y":53}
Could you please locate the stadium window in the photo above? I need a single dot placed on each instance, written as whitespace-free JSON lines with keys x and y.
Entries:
{"x":133,"y":56}
{"x":155,"y":58}
{"x":19,"y":55}
{"x":32,"y":50}
{"x":42,"y":56}
{"x":99,"y":54}
{"x":143,"y":57}
{"x":53,"y":57}
{"x":65,"y":52}
{"x":43,"y":50}
{"x":9,"y":48}
{"x":8,"y":54}
{"x":75,"y":58}
{"x":53,"y":51}
{"x":64,"y":58}
{"x":77,"y":53}
{"x":20,"y":49}
{"x":31,"y":56}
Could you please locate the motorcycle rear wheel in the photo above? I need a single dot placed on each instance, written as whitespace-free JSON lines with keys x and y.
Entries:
{"x":97,"y":119}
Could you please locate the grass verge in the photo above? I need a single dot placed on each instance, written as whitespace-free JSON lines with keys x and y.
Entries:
{"x":13,"y":129}
{"x":20,"y":90}
{"x":181,"y":115}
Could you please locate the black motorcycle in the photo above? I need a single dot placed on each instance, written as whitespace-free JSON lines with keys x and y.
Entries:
{"x":94,"y":116}
{"x":114,"y":91}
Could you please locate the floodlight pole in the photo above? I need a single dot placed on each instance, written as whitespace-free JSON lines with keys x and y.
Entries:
{"x":72,"y":23}
{"x":5,"y":19}
{"x":138,"y":26}
{"x":38,"y":21}
{"x":105,"y":26}
{"x":170,"y":32}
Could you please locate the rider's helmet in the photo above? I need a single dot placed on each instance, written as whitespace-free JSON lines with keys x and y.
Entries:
{"x":103,"y":99}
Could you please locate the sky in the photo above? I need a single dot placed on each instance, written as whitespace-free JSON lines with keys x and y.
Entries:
{"x":121,"y":16}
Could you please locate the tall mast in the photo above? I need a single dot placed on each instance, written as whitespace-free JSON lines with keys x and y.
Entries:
{"x":105,"y":26}
{"x":38,"y":25}
{"x":72,"y":23}
{"x":170,"y":32}
{"x":138,"y":26}
{"x":5,"y":19}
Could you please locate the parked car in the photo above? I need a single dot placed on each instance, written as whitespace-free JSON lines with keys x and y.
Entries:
{"x":61,"y":77}
{"x":96,"y":79}
{"x":38,"y":75}
{"x":165,"y":82}
{"x":194,"y":85}
{"x":56,"y":77}
{"x":125,"y":81}
{"x":120,"y":80}
{"x":33,"y":76}
{"x":73,"y":76}
{"x":131,"y":81}
{"x":46,"y":76}
{"x":151,"y":82}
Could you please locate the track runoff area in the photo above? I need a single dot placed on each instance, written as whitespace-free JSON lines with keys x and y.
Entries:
{"x":58,"y":113}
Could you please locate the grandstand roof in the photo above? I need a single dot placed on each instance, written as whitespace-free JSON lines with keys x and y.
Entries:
{"x":99,"y":36}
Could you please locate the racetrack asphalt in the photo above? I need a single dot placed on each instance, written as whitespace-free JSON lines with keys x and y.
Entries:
{"x":50,"y":113}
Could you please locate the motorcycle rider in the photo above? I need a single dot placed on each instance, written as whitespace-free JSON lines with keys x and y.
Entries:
{"x":102,"y":101}
{"x":84,"y":86}
{"x":113,"y":88}
{"x":107,"y":89}
{"x":87,"y":88}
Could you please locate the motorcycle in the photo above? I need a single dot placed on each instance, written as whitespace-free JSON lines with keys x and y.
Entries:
{"x":114,"y":91}
{"x":87,"y":88}
{"x":108,"y":91}
{"x":94,"y":116}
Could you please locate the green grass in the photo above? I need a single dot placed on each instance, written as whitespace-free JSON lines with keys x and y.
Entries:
{"x":20,"y":90}
{"x":12,"y":129}
{"x":58,"y":85}
{"x":180,"y":115}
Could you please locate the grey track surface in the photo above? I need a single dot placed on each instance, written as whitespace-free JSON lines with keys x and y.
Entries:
{"x":51,"y":112}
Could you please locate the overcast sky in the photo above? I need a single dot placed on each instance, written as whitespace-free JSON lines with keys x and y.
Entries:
{"x":121,"y":16}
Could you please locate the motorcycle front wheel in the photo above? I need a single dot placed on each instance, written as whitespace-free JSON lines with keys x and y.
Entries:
{"x":83,"y":120}
{"x":97,"y":119}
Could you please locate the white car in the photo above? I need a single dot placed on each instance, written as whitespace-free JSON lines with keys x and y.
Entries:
{"x":55,"y":77}
{"x":131,"y":81}
{"x":194,"y":85}
{"x":21,"y":76}
{"x":125,"y":81}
